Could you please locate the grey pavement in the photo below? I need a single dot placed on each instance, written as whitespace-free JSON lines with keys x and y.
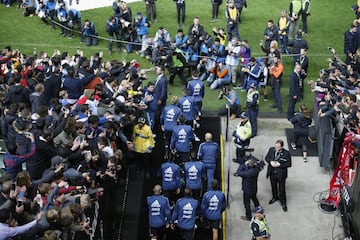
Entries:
{"x":304,"y":219}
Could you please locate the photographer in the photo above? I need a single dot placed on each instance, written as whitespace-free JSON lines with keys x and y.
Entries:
{"x":89,"y":33}
{"x":219,"y":76}
{"x":249,"y":173}
{"x":177,"y":65}
{"x":232,"y":102}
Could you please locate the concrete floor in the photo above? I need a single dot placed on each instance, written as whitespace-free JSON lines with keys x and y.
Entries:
{"x":304,"y":219}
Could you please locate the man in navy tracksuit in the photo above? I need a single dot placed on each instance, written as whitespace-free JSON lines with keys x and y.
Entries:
{"x":212,"y":205}
{"x":159,"y":213}
{"x":170,"y":174}
{"x":249,"y":173}
{"x":184,"y":215}
{"x":197,"y":90}
{"x":188,"y":106}
{"x":181,"y":139}
{"x":208,"y":153}
{"x":195,"y":172}
{"x":168,"y":119}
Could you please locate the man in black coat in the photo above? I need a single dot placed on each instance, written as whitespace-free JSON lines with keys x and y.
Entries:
{"x":249,"y":173}
{"x":279,"y":160}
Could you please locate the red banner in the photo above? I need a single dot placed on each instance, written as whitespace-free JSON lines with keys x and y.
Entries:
{"x":344,"y":172}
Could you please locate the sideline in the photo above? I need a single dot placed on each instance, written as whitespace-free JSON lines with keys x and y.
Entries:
{"x":92,"y":4}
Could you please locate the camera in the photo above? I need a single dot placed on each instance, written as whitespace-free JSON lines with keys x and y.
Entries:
{"x":221,"y":95}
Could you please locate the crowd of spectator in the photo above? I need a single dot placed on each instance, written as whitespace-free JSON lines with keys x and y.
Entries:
{"x":70,"y":120}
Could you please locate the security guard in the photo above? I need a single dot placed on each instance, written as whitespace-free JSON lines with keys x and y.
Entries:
{"x":241,"y":137}
{"x":252,"y":104}
{"x":258,"y":225}
{"x":305,"y":12}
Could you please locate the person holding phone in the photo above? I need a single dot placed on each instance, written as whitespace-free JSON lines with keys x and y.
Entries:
{"x":13,"y":161}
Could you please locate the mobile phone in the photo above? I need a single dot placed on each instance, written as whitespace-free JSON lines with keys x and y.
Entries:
{"x":19,"y":203}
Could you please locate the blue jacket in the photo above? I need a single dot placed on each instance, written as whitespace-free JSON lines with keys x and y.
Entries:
{"x":194,"y":172}
{"x":74,"y":86}
{"x":197,"y":89}
{"x":76,"y":14}
{"x":188,"y":107}
{"x":169,"y":117}
{"x":185,"y":213}
{"x":141,"y":29}
{"x":171,"y":176}
{"x":208,"y":152}
{"x":159,"y":211}
{"x":179,"y":42}
{"x":181,"y":137}
{"x":13,"y":163}
{"x":62,"y":13}
{"x":51,"y":5}
{"x":213,"y":204}
{"x":249,"y":178}
{"x":89,"y":31}
{"x":112,"y":28}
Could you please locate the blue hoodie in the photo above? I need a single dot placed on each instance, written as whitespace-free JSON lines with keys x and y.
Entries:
{"x":185,"y":213}
{"x":188,"y":107}
{"x":213,"y":204}
{"x":181,"y":137}
{"x":169,"y":117}
{"x":194,"y":171}
{"x":171,"y":176}
{"x":159,"y":211}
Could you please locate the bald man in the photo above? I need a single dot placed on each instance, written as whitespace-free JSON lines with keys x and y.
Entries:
{"x":159,"y":213}
{"x":208,"y":153}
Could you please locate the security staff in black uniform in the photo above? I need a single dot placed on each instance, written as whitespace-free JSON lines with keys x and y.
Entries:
{"x":279,"y":160}
{"x":249,"y":173}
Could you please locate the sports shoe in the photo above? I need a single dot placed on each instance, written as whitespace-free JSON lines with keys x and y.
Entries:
{"x":305,"y":159}
{"x":245,"y":218}
{"x":265,"y":99}
{"x":293,"y":146}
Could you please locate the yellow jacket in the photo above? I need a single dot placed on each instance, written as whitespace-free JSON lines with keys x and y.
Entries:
{"x":143,"y":139}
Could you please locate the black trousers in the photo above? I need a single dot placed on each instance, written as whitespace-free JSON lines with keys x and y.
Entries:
{"x":180,"y":10}
{"x":278,"y":187}
{"x":246,"y":198}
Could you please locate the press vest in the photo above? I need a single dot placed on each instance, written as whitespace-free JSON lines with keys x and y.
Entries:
{"x":263,"y":227}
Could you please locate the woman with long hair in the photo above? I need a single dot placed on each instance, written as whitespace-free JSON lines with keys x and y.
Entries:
{"x":301,"y":122}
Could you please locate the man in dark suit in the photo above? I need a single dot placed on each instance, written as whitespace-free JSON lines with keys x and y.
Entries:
{"x":160,"y":91}
{"x":279,"y":160}
{"x":294,"y":89}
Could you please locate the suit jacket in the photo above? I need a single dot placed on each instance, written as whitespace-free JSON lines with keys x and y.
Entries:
{"x":160,"y":91}
{"x":284,"y":160}
{"x":295,"y":81}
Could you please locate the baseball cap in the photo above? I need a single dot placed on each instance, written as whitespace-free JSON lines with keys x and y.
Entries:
{"x":141,"y":120}
{"x":259,"y":209}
